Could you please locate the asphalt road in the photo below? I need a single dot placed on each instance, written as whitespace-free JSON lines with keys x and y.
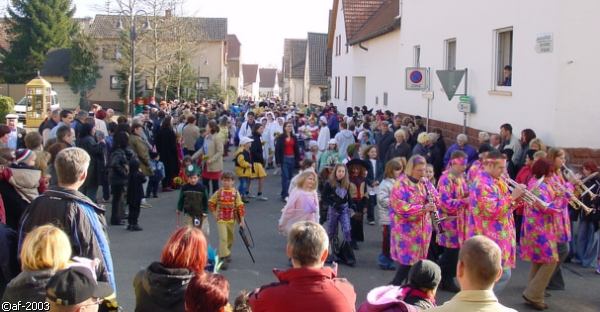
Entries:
{"x":133,"y":251}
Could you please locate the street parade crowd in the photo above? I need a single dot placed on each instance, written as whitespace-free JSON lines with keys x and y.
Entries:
{"x":453,"y":218}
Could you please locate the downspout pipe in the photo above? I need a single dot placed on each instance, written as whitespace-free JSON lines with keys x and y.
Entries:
{"x":360,"y":45}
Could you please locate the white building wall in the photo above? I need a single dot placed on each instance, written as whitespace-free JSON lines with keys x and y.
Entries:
{"x":297,"y":90}
{"x":552,"y":93}
{"x":342,"y":65}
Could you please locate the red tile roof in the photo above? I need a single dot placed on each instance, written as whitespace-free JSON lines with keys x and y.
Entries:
{"x":357,"y":13}
{"x":364,"y":19}
{"x":250,"y":72}
{"x":386,"y":19}
{"x":267,"y":77}
{"x":233,"y":47}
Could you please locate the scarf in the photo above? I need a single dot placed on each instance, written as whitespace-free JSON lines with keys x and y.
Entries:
{"x":102,"y":241}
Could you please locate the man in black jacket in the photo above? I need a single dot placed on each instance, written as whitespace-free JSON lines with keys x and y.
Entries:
{"x":385,"y":140}
{"x":80,"y":218}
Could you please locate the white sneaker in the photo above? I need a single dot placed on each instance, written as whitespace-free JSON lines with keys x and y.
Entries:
{"x":263,"y":198}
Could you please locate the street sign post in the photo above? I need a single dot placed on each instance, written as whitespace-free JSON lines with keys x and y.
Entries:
{"x":450,"y":80}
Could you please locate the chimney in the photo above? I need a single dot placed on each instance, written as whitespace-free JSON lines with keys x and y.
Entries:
{"x":168,"y":13}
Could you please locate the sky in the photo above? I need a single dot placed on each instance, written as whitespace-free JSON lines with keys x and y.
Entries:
{"x":260,"y":25}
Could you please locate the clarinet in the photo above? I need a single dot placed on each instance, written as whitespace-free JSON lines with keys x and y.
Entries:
{"x":435,"y":217}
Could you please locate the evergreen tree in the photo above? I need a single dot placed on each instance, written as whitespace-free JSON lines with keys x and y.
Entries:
{"x":36,"y":26}
{"x":84,"y":70}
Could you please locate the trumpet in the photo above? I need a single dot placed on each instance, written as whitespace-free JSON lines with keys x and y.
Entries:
{"x":573,"y":200}
{"x":580,"y":186}
{"x":528,"y":196}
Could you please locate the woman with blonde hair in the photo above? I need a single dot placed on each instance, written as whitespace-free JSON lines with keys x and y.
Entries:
{"x":303,"y":202}
{"x":410,"y":219}
{"x":537,"y":144}
{"x":45,"y":251}
{"x":393,"y":170}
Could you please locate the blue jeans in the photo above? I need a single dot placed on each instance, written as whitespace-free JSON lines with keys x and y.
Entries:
{"x":587,"y":244}
{"x":503,"y":281}
{"x":243,"y":187}
{"x":287,"y":172}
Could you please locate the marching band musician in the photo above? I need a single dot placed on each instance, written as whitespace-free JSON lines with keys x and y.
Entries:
{"x":477,"y":165}
{"x":491,"y":206}
{"x":587,"y":234}
{"x":410,"y":220}
{"x":538,"y":236}
{"x":562,"y":223}
{"x":454,"y":203}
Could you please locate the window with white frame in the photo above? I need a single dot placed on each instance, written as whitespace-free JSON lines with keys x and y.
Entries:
{"x":450,"y":53}
{"x":504,"y":54}
{"x":417,"y":55}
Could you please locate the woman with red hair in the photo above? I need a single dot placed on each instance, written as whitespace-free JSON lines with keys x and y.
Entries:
{"x":162,"y":286}
{"x":207,"y":294}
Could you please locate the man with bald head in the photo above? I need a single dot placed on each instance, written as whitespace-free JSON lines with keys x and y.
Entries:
{"x":479,"y":268}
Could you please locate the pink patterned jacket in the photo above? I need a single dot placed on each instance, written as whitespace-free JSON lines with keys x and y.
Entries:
{"x":410,"y":223}
{"x":538,"y":235}
{"x":454,"y":202}
{"x":491,"y":215}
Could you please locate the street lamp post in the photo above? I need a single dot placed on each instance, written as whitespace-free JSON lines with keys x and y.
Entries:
{"x":132,"y":38}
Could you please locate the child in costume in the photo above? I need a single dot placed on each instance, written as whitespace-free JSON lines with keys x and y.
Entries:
{"x":360,"y":198}
{"x":193,"y":200}
{"x":243,"y":166}
{"x":302,"y":204}
{"x":227,"y":207}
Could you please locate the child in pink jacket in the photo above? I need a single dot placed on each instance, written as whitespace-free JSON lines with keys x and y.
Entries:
{"x":302,"y":204}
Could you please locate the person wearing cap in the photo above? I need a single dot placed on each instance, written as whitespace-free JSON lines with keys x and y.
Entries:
{"x":418,"y":294}
{"x":76,"y":289}
{"x":479,"y":268}
{"x":20,"y":184}
{"x":324,"y":135}
{"x":330,"y":157}
{"x":16,"y":138}
{"x":193,"y":199}
{"x":243,"y":166}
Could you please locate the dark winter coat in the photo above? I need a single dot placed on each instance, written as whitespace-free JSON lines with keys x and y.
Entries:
{"x":96,"y":152}
{"x":119,"y":166}
{"x":61,"y":207}
{"x":384,"y":143}
{"x":135,"y":187}
{"x":256,"y":149}
{"x":9,"y":264}
{"x":166,"y":143}
{"x":159,"y":288}
{"x":402,"y":150}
